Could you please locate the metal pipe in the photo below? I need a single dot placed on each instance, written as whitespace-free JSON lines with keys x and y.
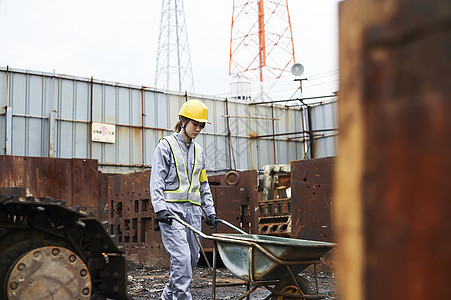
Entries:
{"x":250,"y":267}
{"x":248,"y":292}
{"x":291,"y":133}
{"x":90,"y":118}
{"x":244,"y":117}
{"x":8,"y":114}
{"x":295,"y":99}
{"x":316,"y":279}
{"x":231,"y":284}
{"x":294,"y":279}
{"x":52,"y":122}
{"x":203,"y":252}
{"x":310,"y":134}
{"x":124,"y":165}
{"x":7,"y":85}
{"x":250,"y":133}
{"x":213,"y":285}
{"x":229,"y":136}
{"x":273,"y":134}
{"x":142,"y":127}
{"x":293,"y":296}
{"x":303,"y":132}
{"x":231,"y":226}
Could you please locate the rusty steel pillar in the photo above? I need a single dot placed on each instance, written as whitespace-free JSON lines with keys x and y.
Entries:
{"x":393,"y":173}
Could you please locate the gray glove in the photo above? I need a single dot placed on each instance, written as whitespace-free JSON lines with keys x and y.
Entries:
{"x":211,"y":220}
{"x":162,"y":216}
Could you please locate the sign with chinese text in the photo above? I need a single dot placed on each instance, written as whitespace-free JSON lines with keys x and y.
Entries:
{"x":104,"y":133}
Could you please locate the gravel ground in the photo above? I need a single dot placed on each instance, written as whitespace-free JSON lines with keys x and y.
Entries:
{"x":148,"y":283}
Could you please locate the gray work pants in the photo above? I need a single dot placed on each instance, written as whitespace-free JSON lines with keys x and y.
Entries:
{"x":182,"y":247}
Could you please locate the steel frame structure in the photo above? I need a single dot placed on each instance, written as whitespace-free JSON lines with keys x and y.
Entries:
{"x":173,"y":65}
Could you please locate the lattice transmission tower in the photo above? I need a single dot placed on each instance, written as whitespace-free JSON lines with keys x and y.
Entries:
{"x":261,"y":43}
{"x":173,"y":66}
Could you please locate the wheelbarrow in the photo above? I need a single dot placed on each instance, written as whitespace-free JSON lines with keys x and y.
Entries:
{"x":265,"y":261}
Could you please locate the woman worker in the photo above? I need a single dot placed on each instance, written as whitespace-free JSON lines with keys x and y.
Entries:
{"x":179,"y":187}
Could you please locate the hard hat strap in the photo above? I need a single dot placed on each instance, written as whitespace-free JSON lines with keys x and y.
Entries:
{"x":184,"y":126}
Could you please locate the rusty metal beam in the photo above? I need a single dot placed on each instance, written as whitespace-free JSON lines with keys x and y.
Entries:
{"x":393,"y":170}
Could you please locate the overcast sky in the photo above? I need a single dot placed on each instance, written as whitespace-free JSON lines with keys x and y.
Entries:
{"x":116,"y":41}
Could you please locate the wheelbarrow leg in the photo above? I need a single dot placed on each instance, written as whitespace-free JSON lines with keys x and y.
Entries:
{"x":316,"y":279}
{"x":203,"y":252}
{"x":294,"y":278}
{"x":247,"y":293}
{"x":213,"y":286}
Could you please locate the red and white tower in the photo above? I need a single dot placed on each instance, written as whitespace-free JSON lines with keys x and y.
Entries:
{"x":261,"y":43}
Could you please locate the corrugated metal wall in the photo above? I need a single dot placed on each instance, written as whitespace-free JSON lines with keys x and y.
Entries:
{"x":30,"y":100}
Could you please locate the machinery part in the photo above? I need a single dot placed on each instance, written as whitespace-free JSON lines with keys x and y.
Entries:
{"x":287,"y":286}
{"x":280,"y":226}
{"x":63,"y":239}
{"x":232,"y":178}
{"x":49,"y":272}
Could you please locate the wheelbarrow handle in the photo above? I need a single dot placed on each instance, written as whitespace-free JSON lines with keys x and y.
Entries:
{"x":200,"y":232}
{"x":230,"y":225}
{"x":188,"y":226}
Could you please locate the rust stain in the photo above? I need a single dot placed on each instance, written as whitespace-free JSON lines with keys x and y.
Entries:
{"x":53,"y":177}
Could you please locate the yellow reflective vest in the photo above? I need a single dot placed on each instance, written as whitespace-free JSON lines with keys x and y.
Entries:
{"x":187,"y":191}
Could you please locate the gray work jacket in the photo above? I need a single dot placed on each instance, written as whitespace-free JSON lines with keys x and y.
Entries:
{"x":164,"y":174}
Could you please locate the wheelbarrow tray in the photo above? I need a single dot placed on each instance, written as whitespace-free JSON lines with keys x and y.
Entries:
{"x":254,"y":257}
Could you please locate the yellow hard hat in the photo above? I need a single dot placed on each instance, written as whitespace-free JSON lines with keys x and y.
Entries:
{"x":194,"y":110}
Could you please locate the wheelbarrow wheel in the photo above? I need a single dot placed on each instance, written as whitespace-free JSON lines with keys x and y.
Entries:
{"x":287,"y":286}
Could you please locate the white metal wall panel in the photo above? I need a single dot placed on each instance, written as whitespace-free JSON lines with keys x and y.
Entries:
{"x":4,"y":105}
{"x":242,"y":153}
{"x":65,"y":137}
{"x":239,"y":122}
{"x":17,"y":92}
{"x":18,"y":141}
{"x":3,"y":98}
{"x":160,"y":111}
{"x":2,"y":131}
{"x":82,"y":101}
{"x":323,"y":117}
{"x":82,"y":135}
{"x":142,"y":116}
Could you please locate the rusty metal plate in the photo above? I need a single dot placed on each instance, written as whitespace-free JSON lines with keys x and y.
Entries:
{"x":311,"y":202}
{"x":228,"y":205}
{"x":85,"y":184}
{"x":311,"y":197}
{"x":132,"y":219}
{"x":243,"y":188}
{"x":72,"y":180}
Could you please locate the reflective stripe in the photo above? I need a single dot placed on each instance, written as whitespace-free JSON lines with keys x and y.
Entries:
{"x":187,"y":191}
